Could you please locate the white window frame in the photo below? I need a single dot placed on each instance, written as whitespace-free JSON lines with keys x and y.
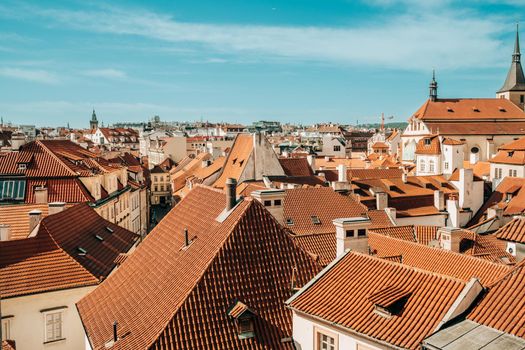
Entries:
{"x":55,"y":337}
{"x":6,"y":328}
{"x":422,"y":165}
{"x":319,"y":332}
{"x":431,"y":166}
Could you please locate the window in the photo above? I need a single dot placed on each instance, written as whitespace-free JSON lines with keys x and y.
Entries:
{"x":422,"y":165}
{"x":325,"y":340}
{"x":522,"y":98}
{"x":431,"y":166}
{"x":361,"y":232}
{"x":246,"y":329}
{"x":315,"y":220}
{"x":446,"y":165}
{"x":427,"y":142}
{"x":349,"y":233}
{"x":277,"y":202}
{"x":474,"y":150}
{"x":6,"y":328}
{"x":267,"y":203}
{"x":337,"y":148}
{"x":289,"y":222}
{"x":53,"y":325}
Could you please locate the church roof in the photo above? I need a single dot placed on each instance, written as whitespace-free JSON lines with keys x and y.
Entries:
{"x":515,"y":79}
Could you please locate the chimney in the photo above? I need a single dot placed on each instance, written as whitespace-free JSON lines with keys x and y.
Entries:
{"x":351,"y":233}
{"x":40,"y":195}
{"x":474,"y":158}
{"x":404,"y":177}
{"x":273,"y":201}
{"x":56,"y":207}
{"x":494,"y":212}
{"x":5,"y":232}
{"x":311,"y":160}
{"x":186,"y":237}
{"x":115,"y":334}
{"x":34,"y":219}
{"x":231,"y":193}
{"x":327,"y":158}
{"x":466,"y":182}
{"x":453,"y":212}
{"x":450,"y":239}
{"x":341,"y":173}
{"x":381,"y":200}
{"x":439,"y":200}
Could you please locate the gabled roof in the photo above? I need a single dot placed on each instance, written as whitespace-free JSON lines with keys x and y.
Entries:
{"x":301,"y":204}
{"x":237,"y":159}
{"x":155,"y":295}
{"x":511,"y":153}
{"x":52,"y":260}
{"x":17,"y":217}
{"x":296,"y":166}
{"x":341,"y":296}
{"x":437,"y":260}
{"x":68,"y":190}
{"x":503,"y":306}
{"x":513,"y":231}
{"x":429,"y":145}
{"x":469,"y":109}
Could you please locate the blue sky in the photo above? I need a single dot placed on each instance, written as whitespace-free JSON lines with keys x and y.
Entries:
{"x":301,"y":61}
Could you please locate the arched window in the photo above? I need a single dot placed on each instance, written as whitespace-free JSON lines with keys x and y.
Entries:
{"x":422,"y":165}
{"x":431,"y":166}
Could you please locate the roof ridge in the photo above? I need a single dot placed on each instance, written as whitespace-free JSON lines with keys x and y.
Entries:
{"x":52,"y":154}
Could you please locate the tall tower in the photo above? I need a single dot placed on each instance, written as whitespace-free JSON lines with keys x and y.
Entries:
{"x":433,"y":87}
{"x":514,"y":87}
{"x":93,"y":123}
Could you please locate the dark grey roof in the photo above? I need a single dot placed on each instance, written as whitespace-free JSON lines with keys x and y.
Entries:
{"x":469,"y":335}
{"x":515,"y":79}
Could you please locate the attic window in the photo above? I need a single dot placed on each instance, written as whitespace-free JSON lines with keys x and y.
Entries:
{"x":475,"y":109}
{"x":81,"y":251}
{"x":501,"y":109}
{"x":234,"y":160}
{"x":110,"y":230}
{"x":100,"y":238}
{"x":450,"y":110}
{"x":289,"y":222}
{"x":268,"y":203}
{"x":315,"y":220}
{"x":427,"y":142}
{"x":389,"y":301}
{"x":244,"y":319}
{"x":22,"y":166}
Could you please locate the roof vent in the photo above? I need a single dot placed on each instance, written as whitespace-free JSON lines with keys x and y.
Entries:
{"x":389,"y":301}
{"x":110,"y":230}
{"x":100,"y":238}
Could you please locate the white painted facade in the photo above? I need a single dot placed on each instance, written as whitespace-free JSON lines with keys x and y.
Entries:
{"x":26,"y":318}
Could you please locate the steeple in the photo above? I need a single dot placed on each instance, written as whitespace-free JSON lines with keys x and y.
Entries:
{"x":93,"y":123}
{"x":433,"y":87}
{"x":515,"y":79}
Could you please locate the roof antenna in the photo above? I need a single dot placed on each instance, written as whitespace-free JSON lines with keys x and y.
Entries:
{"x":115,"y":336}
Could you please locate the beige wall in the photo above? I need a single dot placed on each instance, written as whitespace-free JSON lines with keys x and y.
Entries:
{"x":27,"y":327}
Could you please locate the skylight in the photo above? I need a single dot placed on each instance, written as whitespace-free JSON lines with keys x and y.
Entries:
{"x":315,"y":220}
{"x":110,"y":230}
{"x":81,"y":251}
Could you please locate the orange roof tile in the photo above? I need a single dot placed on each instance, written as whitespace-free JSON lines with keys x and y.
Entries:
{"x":470,"y":109}
{"x":296,"y":167}
{"x":17,"y":217}
{"x":301,"y":204}
{"x":155,"y":295}
{"x":342,"y":296}
{"x":380,"y":145}
{"x":488,"y":127}
{"x":237,"y":159}
{"x":429,"y":145}
{"x":452,"y":142}
{"x":441,"y":261}
{"x":322,"y":246}
{"x":513,"y":231}
{"x":503,"y":306}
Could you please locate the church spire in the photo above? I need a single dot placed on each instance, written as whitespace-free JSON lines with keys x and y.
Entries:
{"x":515,"y":78}
{"x":433,"y":87}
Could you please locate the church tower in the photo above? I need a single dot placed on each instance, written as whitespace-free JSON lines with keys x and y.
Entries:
{"x":93,"y":123}
{"x":514,"y":87}
{"x":433,"y":87}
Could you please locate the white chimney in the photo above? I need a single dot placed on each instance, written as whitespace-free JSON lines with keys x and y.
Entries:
{"x":351,"y":233}
{"x":381,"y":200}
{"x":273,"y":201}
{"x":404,"y":177}
{"x":453,"y":212}
{"x":466,"y":183}
{"x":341,"y":173}
{"x":311,"y":160}
{"x":494,"y":211}
{"x":34,"y":219}
{"x":439,"y":200}
{"x":5,"y":232}
{"x":449,"y":238}
{"x":392,"y":214}
{"x":40,"y":195}
{"x":56,"y":207}
{"x":474,"y":157}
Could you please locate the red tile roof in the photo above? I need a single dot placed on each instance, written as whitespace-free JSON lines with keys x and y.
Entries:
{"x":17,"y":217}
{"x":8,"y":345}
{"x":513,"y":231}
{"x":380,"y":145}
{"x":322,"y":246}
{"x":488,"y":127}
{"x":68,"y":190}
{"x":344,"y":295}
{"x":437,"y":260}
{"x":504,"y":305}
{"x":470,"y":109}
{"x":156,"y":294}
{"x":52,"y":259}
{"x":452,"y":142}
{"x":429,"y":145}
{"x":237,"y":159}
{"x":296,"y":167}
{"x":301,"y":204}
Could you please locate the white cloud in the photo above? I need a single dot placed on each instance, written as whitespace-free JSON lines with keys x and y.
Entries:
{"x":35,"y":75}
{"x":108,"y":73}
{"x":443,"y":38}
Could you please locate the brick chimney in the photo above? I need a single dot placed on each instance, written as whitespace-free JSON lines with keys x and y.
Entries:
{"x":231,"y":193}
{"x":41,"y":195}
{"x":5,"y":232}
{"x":56,"y":207}
{"x":34,"y":219}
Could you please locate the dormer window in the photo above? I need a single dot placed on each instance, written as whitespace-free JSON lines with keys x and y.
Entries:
{"x":475,"y":109}
{"x":22,"y":166}
{"x":501,"y":109}
{"x":289,"y":222}
{"x":267,"y":203}
{"x":244,"y":319}
{"x":389,"y":301}
{"x":510,"y":153}
{"x":427,"y":142}
{"x":450,"y":110}
{"x":315,"y":220}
